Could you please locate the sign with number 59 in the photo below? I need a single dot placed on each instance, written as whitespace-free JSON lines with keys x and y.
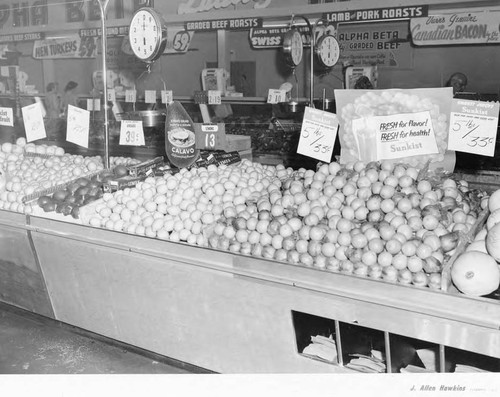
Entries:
{"x":178,"y":40}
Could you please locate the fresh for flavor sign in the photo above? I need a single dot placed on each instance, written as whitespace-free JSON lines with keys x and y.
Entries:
{"x":459,"y":28}
{"x":399,"y":136}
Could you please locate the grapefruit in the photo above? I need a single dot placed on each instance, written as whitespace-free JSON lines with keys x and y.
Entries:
{"x":475,"y":273}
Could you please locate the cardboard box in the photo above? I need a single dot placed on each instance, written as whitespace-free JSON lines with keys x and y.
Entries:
{"x":237,"y":143}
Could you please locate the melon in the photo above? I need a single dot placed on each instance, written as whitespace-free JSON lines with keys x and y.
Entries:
{"x":493,"y":219}
{"x":475,"y":273}
{"x":493,"y":242}
{"x":481,"y":235}
{"x":477,"y":245}
{"x":494,"y":201}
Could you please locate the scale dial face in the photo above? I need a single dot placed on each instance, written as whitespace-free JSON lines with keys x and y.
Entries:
{"x":147,"y":34}
{"x":328,"y":50}
{"x":293,"y":47}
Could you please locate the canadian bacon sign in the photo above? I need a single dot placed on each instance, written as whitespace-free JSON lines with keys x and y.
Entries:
{"x":459,"y":28}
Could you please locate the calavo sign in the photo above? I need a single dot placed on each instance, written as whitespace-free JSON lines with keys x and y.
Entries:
{"x":194,"y":6}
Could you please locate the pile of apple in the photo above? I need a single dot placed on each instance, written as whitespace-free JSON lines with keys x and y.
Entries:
{"x":84,"y":190}
{"x":377,"y":220}
{"x":29,"y":174}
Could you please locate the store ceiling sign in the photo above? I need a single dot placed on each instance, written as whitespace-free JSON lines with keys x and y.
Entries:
{"x":375,"y":44}
{"x":111,"y":31}
{"x":66,"y":47}
{"x":9,"y":38}
{"x":460,"y":28}
{"x":273,"y":37}
{"x":377,"y":14}
{"x":195,"y":6}
{"x":224,"y":24}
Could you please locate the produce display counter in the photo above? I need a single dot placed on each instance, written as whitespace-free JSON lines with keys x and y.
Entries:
{"x":21,"y":279}
{"x":225,"y":312}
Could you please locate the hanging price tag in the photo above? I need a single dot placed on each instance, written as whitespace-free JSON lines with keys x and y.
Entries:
{"x":210,"y":136}
{"x":276,"y":96}
{"x":150,"y":96}
{"x":93,"y":104}
{"x":111,"y":95}
{"x":130,"y":95}
{"x":214,"y":97}
{"x":90,"y":104}
{"x":131,"y":133}
{"x":318,"y":133}
{"x":473,"y":126}
{"x":7,"y":117}
{"x":33,"y":122}
{"x":77,"y":130}
{"x":167,"y":96}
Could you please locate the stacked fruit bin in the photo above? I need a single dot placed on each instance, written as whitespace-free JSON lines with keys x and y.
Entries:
{"x":380,"y":226}
{"x":381,"y":220}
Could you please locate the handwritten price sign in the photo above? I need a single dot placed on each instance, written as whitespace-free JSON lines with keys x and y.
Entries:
{"x":7,"y":117}
{"x":473,"y":127}
{"x":33,"y":122}
{"x":318,"y":133}
{"x":276,"y":96}
{"x":167,"y":96}
{"x":111,"y":95}
{"x":150,"y":96}
{"x":131,"y":133}
{"x":78,"y":126}
{"x":130,"y":95}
